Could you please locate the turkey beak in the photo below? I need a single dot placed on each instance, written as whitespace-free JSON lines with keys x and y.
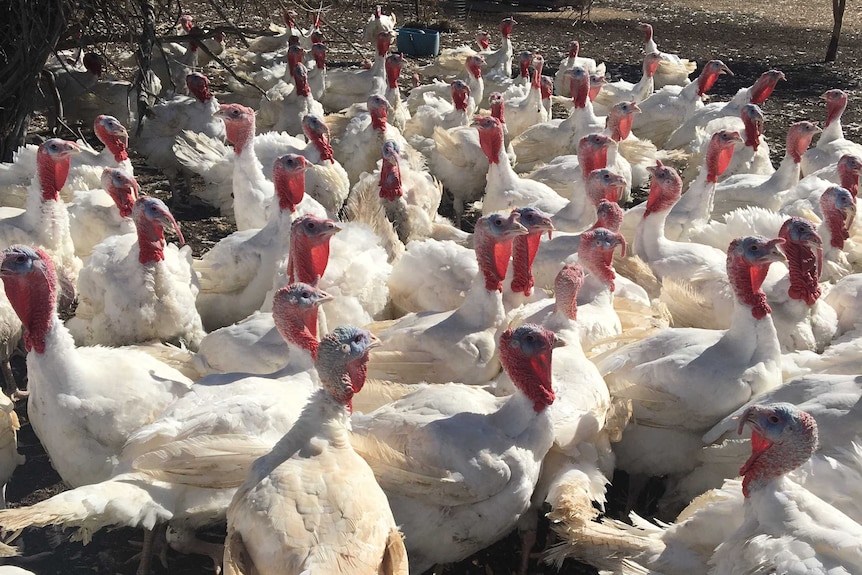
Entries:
{"x":167,"y":220}
{"x":72,"y":148}
{"x":559,"y":342}
{"x":373,"y":342}
{"x":775,"y":254}
{"x":748,"y":416}
{"x":324,"y":297}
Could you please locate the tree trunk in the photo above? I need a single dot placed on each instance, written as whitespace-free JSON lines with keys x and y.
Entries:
{"x":145,"y":54}
{"x":837,"y":19}
{"x":29,"y":31}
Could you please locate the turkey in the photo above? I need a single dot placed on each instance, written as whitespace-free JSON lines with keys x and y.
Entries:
{"x":622,"y":91}
{"x":270,"y":529}
{"x":504,"y":189}
{"x":473,"y":65}
{"x":576,"y":469}
{"x":377,"y":23}
{"x":96,"y":215}
{"x":684,"y":136}
{"x":236,"y":274}
{"x":325,"y":178}
{"x":157,"y":478}
{"x":672,"y":70}
{"x":409,"y":198}
{"x":346,"y":87}
{"x":136,"y":288}
{"x":802,"y":319}
{"x":108,"y":409}
{"x":422,"y":347}
{"x":562,"y":86}
{"x":603,"y":188}
{"x":570,"y":176}
{"x":692,"y":275}
{"x":400,"y":113}
{"x":766,"y":191}
{"x":751,"y":156}
{"x":45,"y":221}
{"x":496,"y":64}
{"x":453,"y":112}
{"x":459,"y":162}
{"x":286,"y":104}
{"x":666,"y":109}
{"x":545,"y":142}
{"x":785,"y":524}
{"x":167,"y":120}
{"x":713,"y":519}
{"x":694,"y":209}
{"x":357,"y":141}
{"x":85,"y":169}
{"x":832,"y":143}
{"x":526,"y":111}
{"x":683,"y":380}
{"x":444,"y":427}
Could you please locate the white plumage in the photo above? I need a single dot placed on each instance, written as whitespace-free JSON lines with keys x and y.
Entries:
{"x":136,"y":288}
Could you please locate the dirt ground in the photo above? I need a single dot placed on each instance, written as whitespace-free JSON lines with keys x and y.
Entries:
{"x":749,"y":37}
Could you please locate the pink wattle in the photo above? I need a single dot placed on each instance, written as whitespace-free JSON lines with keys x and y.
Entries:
{"x":621,"y":127}
{"x":378,"y":119}
{"x":151,"y":242}
{"x":390,"y":181}
{"x":759,"y":445}
{"x":717,"y":161}
{"x":240,"y":134}
{"x":594,"y":159}
{"x":299,"y":327}
{"x":52,"y":174}
{"x":580,"y":88}
{"x":524,"y":250}
{"x":491,"y":142}
{"x":290,"y":189}
{"x":804,"y":272}
{"x":308,"y":259}
{"x":34,"y":301}
{"x":705,"y":82}
{"x":531,"y":375}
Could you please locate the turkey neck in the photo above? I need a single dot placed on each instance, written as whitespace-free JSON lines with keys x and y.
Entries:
{"x":752,"y":334}
{"x":696,"y":204}
{"x":784,"y":178}
{"x":323,"y":417}
{"x":650,"y":236}
{"x":483,"y":305}
{"x":477,"y":87}
{"x":298,"y":327}
{"x":46,"y":212}
{"x":833,"y":130}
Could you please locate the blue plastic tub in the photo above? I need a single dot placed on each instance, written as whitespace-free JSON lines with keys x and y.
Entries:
{"x":415,"y":42}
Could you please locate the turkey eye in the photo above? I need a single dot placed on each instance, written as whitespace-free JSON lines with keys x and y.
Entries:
{"x":306,"y":294}
{"x":310,"y":225}
{"x":357,"y":339}
{"x":498,"y":222}
{"x":21,"y":259}
{"x":773,"y":419}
